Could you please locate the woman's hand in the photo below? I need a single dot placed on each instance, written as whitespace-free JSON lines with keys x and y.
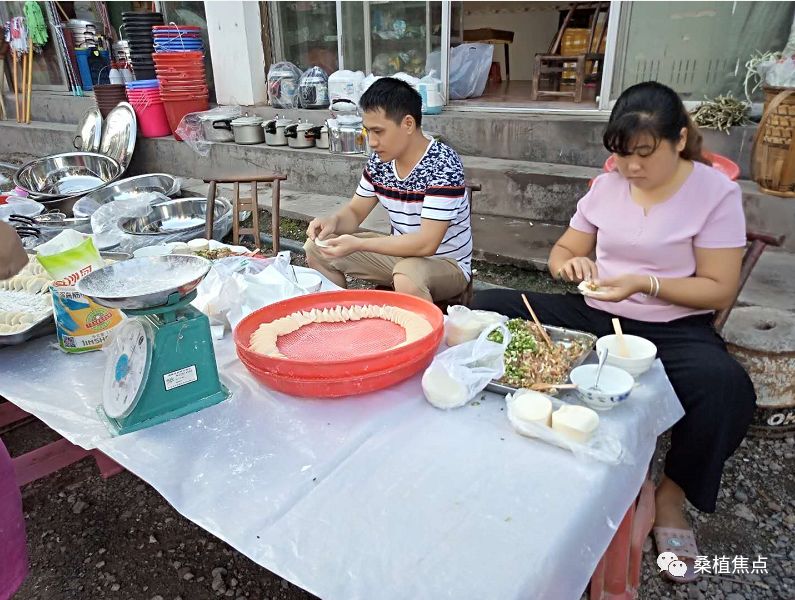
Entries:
{"x":341,"y":246}
{"x":579,"y":268}
{"x":616,"y":289}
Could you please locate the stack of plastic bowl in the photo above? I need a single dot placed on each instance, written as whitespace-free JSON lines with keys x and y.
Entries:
{"x":183,"y":83}
{"x":137,"y":30}
{"x":108,"y":96}
{"x":144,"y":96}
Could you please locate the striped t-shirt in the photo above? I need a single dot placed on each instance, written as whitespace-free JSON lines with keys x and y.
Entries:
{"x":433,"y":190}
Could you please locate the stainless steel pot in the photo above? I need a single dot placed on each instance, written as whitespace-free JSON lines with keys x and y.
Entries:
{"x":321,"y":137}
{"x":217,"y":129}
{"x":347,"y":136}
{"x":300,"y":135}
{"x":274,"y":131}
{"x":248,"y":130}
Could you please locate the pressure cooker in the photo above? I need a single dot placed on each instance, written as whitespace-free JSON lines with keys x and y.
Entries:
{"x":274,"y":131}
{"x":300,"y":135}
{"x":248,"y":130}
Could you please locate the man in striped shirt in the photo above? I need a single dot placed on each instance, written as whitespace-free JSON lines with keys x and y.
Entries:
{"x":420,"y":182}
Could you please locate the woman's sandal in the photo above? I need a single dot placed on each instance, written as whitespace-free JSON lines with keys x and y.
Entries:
{"x":682,"y":543}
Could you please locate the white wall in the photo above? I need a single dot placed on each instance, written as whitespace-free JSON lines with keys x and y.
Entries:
{"x":534,"y":25}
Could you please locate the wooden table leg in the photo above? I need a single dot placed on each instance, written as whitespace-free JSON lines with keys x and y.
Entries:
{"x":210,"y":212}
{"x":275,"y":218}
{"x":236,"y":214}
{"x":255,"y":215}
{"x":507,"y":62}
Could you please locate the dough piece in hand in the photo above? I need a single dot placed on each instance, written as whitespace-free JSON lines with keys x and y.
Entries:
{"x":321,"y":243}
{"x":589,"y":288}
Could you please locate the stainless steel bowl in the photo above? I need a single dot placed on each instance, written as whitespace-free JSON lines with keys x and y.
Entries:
{"x":140,"y":184}
{"x":145,"y":282}
{"x":68,"y":175}
{"x":183,"y":209}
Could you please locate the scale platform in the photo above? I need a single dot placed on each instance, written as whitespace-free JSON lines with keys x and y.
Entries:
{"x":161,"y":362}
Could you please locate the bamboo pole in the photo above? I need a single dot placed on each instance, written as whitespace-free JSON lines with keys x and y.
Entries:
{"x":30,"y":75}
{"x":16,"y":83}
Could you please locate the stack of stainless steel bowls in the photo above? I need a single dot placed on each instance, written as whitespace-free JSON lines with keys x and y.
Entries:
{"x":84,"y":33}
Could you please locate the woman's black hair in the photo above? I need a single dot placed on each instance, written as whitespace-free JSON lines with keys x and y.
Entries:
{"x":657,"y":110}
{"x":397,"y":99}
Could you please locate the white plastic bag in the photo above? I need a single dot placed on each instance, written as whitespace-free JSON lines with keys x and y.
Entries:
{"x":463,"y":324}
{"x":469,"y":69}
{"x":778,"y":73}
{"x":601,"y":446}
{"x":283,"y":81}
{"x":190,"y":128}
{"x":460,"y":373}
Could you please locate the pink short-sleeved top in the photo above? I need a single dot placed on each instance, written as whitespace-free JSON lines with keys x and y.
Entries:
{"x":706,"y":212}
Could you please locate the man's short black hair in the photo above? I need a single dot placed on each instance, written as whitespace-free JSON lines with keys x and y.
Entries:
{"x":396,"y":97}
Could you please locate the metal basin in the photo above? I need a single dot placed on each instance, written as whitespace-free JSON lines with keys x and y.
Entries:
{"x":176,"y":216}
{"x":133,"y":186}
{"x":68,"y":175}
{"x":144,"y":282}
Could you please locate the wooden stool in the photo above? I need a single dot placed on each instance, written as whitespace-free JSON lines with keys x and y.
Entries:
{"x":243,"y":204}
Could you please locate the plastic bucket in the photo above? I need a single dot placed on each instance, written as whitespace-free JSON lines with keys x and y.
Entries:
{"x":178,"y":108}
{"x":152,"y":119}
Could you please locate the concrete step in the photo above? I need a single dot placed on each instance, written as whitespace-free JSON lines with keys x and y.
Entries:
{"x":574,"y":139}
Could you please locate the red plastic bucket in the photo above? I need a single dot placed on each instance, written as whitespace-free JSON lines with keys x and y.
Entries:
{"x":152,"y":118}
{"x":178,"y":108}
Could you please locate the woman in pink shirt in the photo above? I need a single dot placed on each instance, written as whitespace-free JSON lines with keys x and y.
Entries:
{"x":668,"y":234}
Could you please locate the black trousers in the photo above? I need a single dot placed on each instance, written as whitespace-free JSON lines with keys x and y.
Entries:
{"x":715,"y":391}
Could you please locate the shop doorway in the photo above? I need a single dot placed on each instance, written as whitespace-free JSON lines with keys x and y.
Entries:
{"x":546,"y":55}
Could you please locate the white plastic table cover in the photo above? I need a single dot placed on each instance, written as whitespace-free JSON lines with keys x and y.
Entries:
{"x":377,"y":496}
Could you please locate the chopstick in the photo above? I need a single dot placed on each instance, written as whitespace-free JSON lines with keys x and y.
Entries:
{"x":623,"y":351}
{"x":537,"y":322}
{"x":553,"y":386}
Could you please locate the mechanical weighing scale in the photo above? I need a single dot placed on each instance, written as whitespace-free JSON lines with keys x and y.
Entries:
{"x":161,"y":363}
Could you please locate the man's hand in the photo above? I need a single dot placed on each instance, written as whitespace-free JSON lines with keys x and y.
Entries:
{"x":341,"y":246}
{"x":322,"y":228}
{"x":13,"y":257}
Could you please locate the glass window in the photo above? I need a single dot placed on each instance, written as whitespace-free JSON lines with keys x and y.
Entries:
{"x":306,"y":33}
{"x":698,"y":48}
{"x":47,"y":70}
{"x":384,"y":37}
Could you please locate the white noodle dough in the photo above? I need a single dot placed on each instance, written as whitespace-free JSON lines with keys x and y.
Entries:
{"x":263,"y":340}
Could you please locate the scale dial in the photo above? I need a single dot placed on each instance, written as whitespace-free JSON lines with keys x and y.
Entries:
{"x":129,"y":358}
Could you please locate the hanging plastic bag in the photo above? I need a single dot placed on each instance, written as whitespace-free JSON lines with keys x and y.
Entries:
{"x":469,"y":69}
{"x":460,"y":373}
{"x":779,"y":73}
{"x":313,"y":88}
{"x":283,"y":81}
{"x":463,"y":324}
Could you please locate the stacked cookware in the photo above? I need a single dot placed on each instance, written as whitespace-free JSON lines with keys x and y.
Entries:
{"x":83,"y":32}
{"x":179,"y":63}
{"x":138,"y":33}
{"x":108,"y":96}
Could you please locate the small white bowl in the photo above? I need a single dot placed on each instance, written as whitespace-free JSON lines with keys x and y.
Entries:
{"x":309,"y":282}
{"x":641,"y":353}
{"x":614,"y":386}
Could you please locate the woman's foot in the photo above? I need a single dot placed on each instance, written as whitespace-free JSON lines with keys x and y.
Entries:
{"x":673,"y":534}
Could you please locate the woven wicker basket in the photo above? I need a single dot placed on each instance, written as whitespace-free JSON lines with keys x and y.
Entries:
{"x":773,"y":156}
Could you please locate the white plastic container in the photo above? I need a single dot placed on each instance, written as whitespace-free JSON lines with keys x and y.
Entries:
{"x":430,"y":89}
{"x":345,"y":85}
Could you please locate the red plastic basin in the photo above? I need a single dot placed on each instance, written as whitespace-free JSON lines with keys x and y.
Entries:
{"x":719,"y":162}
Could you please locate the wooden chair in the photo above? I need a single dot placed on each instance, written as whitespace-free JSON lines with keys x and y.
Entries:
{"x":247,"y":204}
{"x":587,"y":65}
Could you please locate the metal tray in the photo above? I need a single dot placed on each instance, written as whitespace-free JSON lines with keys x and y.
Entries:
{"x":556,"y":334}
{"x":43,"y":326}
